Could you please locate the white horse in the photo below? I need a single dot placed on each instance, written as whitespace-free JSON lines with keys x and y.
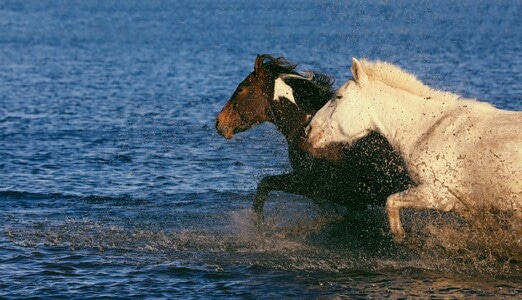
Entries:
{"x":463,"y":154}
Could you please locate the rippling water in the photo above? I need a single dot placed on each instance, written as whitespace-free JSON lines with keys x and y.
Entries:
{"x":114,"y":183}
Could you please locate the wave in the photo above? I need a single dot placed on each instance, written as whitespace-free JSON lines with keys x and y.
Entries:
{"x":15,"y":195}
{"x":8,"y":194}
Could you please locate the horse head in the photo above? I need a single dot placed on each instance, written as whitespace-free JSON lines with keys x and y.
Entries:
{"x":275,"y":93}
{"x":347,"y":117}
{"x":250,"y":102}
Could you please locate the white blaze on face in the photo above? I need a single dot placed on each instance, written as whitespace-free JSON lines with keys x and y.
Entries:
{"x":283,"y":90}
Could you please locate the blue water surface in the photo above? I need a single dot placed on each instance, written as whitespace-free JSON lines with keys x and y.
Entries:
{"x":115,"y":184}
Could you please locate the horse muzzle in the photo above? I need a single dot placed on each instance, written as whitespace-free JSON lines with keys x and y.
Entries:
{"x":224,"y":130}
{"x":332,"y":153}
{"x":313,"y":136}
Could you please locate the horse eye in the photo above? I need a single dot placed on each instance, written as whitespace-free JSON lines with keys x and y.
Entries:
{"x":338,"y":96}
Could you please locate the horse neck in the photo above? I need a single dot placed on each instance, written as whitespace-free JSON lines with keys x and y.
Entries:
{"x":403,"y":118}
{"x":291,"y":122}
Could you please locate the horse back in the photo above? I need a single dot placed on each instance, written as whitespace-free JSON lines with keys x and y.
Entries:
{"x":495,"y":158}
{"x":475,"y":151}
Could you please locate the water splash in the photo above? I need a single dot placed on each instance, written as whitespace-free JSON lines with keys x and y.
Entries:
{"x":296,"y":235}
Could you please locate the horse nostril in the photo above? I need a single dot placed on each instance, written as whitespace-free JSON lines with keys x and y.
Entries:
{"x":308,"y":129}
{"x":218,"y":127}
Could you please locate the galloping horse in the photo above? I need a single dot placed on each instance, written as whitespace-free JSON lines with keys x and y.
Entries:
{"x":464,"y":155}
{"x":274,"y":92}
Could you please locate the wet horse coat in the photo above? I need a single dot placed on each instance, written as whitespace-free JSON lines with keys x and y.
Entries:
{"x":464,"y":155}
{"x":364,"y":174}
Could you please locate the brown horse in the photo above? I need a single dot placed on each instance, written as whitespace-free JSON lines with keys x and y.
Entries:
{"x":363,"y":174}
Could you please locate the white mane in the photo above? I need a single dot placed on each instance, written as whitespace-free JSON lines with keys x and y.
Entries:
{"x":396,"y":77}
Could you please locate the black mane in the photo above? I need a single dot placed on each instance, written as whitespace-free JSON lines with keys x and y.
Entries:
{"x":279,"y":65}
{"x":310,"y":94}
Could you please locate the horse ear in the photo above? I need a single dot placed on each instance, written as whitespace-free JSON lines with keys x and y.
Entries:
{"x":358,"y":73}
{"x":258,"y":65}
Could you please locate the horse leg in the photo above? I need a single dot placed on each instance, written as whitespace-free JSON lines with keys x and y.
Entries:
{"x":285,"y":182}
{"x":419,"y":197}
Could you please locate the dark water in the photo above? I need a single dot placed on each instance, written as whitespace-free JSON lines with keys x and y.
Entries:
{"x":114,"y":183}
